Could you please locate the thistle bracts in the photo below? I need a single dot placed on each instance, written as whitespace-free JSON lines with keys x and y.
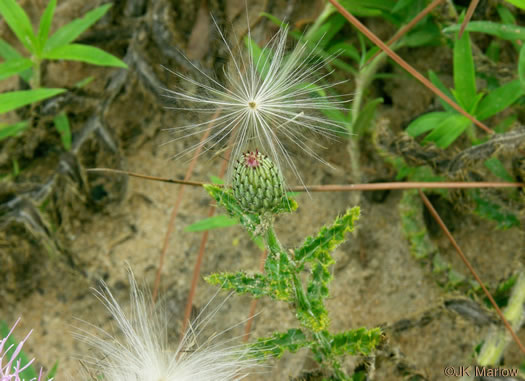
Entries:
{"x":257,"y":183}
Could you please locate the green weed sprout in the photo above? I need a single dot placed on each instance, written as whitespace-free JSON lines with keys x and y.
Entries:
{"x":299,"y":278}
{"x":41,"y":46}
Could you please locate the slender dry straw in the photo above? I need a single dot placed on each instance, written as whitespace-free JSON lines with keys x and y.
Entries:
{"x":198,"y":263}
{"x":175,"y":209}
{"x":376,"y":40}
{"x":443,"y":227}
{"x":470,"y":11}
{"x":343,"y":187}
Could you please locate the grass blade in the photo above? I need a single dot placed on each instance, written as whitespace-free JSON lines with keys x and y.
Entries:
{"x":426,"y":122}
{"x":84,"y":53}
{"x":62,"y":126}
{"x":215,"y":222}
{"x":464,"y":73}
{"x":448,"y":130}
{"x":503,"y":31}
{"x":499,"y":99}
{"x":15,"y":66}
{"x":517,"y":3}
{"x":521,"y":67}
{"x":7,"y":52}
{"x":18,"y":21}
{"x":15,"y":99}
{"x":9,"y":130}
{"x":45,"y":24}
{"x":75,"y":28}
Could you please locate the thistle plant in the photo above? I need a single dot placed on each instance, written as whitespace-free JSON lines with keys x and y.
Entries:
{"x":144,"y":353}
{"x":299,"y":278}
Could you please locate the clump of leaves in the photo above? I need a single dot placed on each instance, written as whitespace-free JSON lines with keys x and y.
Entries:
{"x":41,"y":46}
{"x":444,"y":127}
{"x":300,"y":278}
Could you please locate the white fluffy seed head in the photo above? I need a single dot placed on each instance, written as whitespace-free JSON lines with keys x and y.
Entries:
{"x":142,"y":351}
{"x":269,"y":101}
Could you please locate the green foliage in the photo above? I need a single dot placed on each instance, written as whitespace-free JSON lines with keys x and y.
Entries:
{"x":492,"y":211}
{"x":517,"y":3}
{"x":358,"y":341}
{"x":275,"y":345}
{"x":411,"y":210}
{"x":503,"y":31}
{"x":40,"y":46}
{"x":253,"y":222}
{"x":496,"y":167}
{"x":301,"y":279}
{"x":15,"y":99}
{"x":215,"y":222}
{"x":62,"y":126}
{"x":521,"y":67}
{"x":7,"y":130}
{"x":446,"y":126}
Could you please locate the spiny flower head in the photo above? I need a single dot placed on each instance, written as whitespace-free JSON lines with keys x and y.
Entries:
{"x":144,"y":354}
{"x":270,"y":99}
{"x":257,"y":183}
{"x":12,"y":369}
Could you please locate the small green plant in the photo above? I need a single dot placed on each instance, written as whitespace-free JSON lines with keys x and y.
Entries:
{"x":299,"y":278}
{"x":41,"y":46}
{"x":444,"y":127}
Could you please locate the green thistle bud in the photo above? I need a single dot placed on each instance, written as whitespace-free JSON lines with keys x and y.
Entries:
{"x":257,"y":183}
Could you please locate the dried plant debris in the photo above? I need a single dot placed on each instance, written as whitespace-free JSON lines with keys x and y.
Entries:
{"x":484,"y":162}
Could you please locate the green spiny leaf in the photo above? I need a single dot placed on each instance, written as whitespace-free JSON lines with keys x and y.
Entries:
{"x":356,"y":342}
{"x":277,"y":269}
{"x":278,"y":343}
{"x":257,"y":285}
{"x":315,"y":249}
{"x":224,"y":197}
